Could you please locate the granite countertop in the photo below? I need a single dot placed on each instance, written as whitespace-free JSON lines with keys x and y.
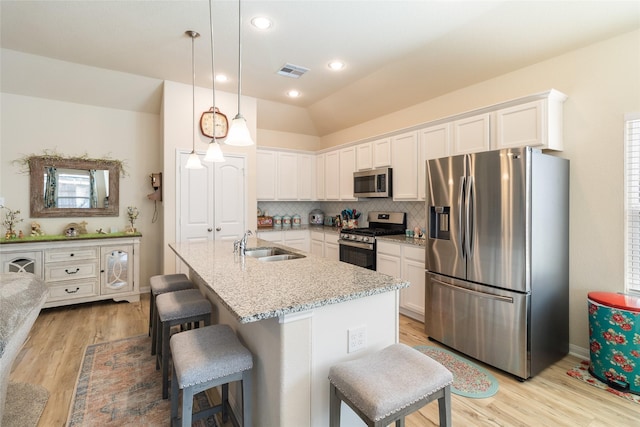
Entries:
{"x":62,"y":237}
{"x":254,"y":290}
{"x":324,"y":228}
{"x":403,"y":239}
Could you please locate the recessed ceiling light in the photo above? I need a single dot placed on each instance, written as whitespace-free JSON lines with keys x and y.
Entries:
{"x":293,"y":93}
{"x":221,"y":78}
{"x":336,"y":65}
{"x":261,"y":22}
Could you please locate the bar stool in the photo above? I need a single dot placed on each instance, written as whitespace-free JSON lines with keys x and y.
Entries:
{"x":177,"y":308}
{"x":205,"y":358}
{"x":388,"y":385}
{"x":161,"y":284}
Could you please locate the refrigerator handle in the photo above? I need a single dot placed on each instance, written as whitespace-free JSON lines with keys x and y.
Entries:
{"x":476,"y":293}
{"x":461,"y":213}
{"x":470,"y":217}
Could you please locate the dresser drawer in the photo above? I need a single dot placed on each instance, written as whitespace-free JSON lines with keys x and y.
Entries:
{"x":73,"y":290}
{"x":71,"y":254}
{"x":71,"y":271}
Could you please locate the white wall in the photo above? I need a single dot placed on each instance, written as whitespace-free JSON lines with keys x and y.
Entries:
{"x":178,"y":126}
{"x":603,"y":83}
{"x":31,"y":125}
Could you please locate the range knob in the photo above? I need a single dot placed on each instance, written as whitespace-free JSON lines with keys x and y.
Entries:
{"x":365,"y":239}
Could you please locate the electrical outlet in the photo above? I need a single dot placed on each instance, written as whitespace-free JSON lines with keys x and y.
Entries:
{"x":357,"y":338}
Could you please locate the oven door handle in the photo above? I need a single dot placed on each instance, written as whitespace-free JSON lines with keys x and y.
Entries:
{"x":360,"y":245}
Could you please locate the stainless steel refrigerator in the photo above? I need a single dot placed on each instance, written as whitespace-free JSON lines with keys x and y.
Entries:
{"x":497,"y":257}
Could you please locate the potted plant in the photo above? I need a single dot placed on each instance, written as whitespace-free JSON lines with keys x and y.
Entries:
{"x":11,"y":218}
{"x":132,"y":213}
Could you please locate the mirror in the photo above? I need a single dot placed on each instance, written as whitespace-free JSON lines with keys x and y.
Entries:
{"x":73,"y":187}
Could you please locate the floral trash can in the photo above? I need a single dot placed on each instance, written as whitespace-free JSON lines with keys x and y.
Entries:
{"x":614,"y":340}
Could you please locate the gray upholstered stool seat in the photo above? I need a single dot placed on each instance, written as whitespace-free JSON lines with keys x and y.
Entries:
{"x":177,"y":308}
{"x":205,"y":358}
{"x":161,"y":284}
{"x":388,"y":385}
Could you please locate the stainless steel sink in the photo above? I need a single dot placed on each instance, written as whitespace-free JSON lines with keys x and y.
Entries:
{"x":280,"y":257}
{"x":268,"y":254}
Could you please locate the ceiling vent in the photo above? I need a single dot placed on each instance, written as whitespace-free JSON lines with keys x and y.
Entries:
{"x":293,"y":71}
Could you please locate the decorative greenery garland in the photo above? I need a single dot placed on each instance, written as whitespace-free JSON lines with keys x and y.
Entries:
{"x":54,"y":156}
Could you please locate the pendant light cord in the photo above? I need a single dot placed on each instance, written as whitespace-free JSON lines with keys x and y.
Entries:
{"x":213,"y":74}
{"x":193,"y":88}
{"x":239,"y":55}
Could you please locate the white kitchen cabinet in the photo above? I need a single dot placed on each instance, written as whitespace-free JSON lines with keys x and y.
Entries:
{"x":295,"y":239}
{"x":284,"y":175}
{"x":537,"y":123}
{"x":434,"y":143}
{"x":347,"y":168}
{"x":317,"y":243}
{"x":80,"y":270}
{"x":364,"y":156}
{"x":407,"y":262}
{"x":374,"y":154}
{"x":331,"y":246}
{"x":381,"y":153}
{"x":412,"y":298}
{"x":287,"y":176}
{"x":405,"y":166}
{"x":388,"y":258}
{"x":266,"y":174}
{"x":306,"y":176}
{"x":332,"y":175}
{"x":320,"y":180}
{"x":472,"y":134}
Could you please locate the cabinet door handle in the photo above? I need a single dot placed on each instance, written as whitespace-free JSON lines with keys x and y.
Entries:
{"x":71,"y":272}
{"x":218,"y":228}
{"x":72,"y":292}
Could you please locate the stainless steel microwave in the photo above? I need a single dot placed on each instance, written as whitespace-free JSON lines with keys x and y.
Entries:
{"x":372,"y":183}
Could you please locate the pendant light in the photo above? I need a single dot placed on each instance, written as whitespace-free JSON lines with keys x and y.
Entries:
{"x":193,"y":162}
{"x":214,"y":152}
{"x":238,"y":131}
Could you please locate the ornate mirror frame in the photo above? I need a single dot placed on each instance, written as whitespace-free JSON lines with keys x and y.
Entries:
{"x":36,"y":175}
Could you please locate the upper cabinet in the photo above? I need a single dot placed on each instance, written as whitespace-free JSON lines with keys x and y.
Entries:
{"x":320,"y":193}
{"x":374,"y":154}
{"x":332,"y":175}
{"x":283,"y":175}
{"x":472,"y":134}
{"x":347,"y":168}
{"x":435,"y":142}
{"x":405,"y":166}
{"x":536,"y":123}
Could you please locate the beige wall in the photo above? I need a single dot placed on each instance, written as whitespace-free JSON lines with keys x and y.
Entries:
{"x":603,"y":83}
{"x":31,"y":125}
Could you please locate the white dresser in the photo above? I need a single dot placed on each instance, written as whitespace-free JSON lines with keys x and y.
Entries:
{"x":79,"y":269}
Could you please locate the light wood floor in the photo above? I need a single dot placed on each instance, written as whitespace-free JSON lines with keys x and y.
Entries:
{"x":52,"y":356}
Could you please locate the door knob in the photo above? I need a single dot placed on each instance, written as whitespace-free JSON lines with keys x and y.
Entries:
{"x":209,"y":229}
{"x":218,"y":228}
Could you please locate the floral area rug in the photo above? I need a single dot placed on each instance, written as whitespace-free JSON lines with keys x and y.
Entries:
{"x":581,"y":372}
{"x":469,"y":379}
{"x":118,"y":385}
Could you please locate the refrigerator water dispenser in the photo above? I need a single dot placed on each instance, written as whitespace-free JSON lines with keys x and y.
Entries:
{"x":439,"y":222}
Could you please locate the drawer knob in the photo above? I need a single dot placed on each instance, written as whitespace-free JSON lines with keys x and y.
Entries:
{"x":71,"y":254}
{"x":72,"y":292}
{"x":71,"y":272}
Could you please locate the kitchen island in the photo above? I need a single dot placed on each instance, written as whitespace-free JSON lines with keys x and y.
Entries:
{"x":295,"y":317}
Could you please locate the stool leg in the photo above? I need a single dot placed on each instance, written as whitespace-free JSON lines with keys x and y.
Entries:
{"x":400,"y":422}
{"x":158,"y":338}
{"x":245,"y":386}
{"x":174,"y":397}
{"x":444,"y":408}
{"x":153,"y":324}
{"x":225,"y":402}
{"x":165,"y":359}
{"x":187,"y":406}
{"x":334,"y":407}
{"x":150,"y":310}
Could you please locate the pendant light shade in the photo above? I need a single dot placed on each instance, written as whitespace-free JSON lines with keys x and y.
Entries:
{"x":193,"y":162}
{"x":214,"y":151}
{"x":239,"y":131}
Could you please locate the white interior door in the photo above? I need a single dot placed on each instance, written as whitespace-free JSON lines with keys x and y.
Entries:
{"x":230,"y":198}
{"x":212,"y":200}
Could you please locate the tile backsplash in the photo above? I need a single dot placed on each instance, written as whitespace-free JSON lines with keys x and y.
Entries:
{"x":415,"y":210}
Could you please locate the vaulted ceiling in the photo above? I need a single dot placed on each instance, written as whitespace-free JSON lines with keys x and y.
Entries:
{"x":397,"y":53}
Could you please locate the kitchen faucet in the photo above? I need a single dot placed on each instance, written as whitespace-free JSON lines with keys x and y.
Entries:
{"x":241,"y":244}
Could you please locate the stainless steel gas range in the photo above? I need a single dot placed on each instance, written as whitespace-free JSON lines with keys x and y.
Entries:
{"x":358,"y":245}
